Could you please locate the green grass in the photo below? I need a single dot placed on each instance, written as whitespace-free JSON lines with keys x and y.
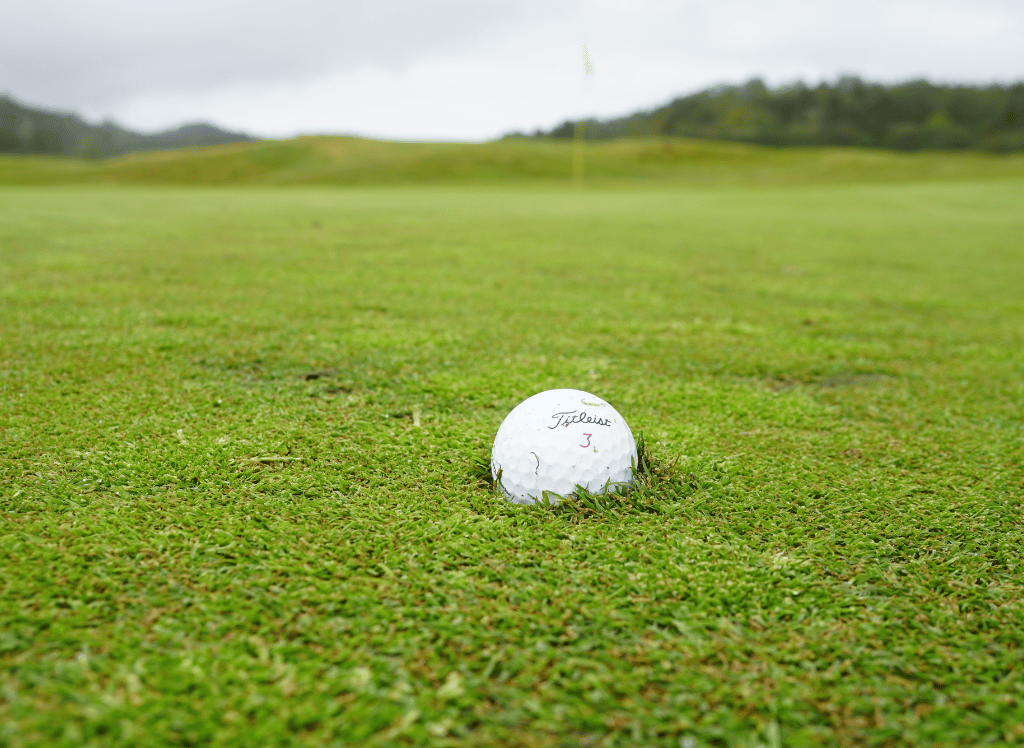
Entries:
{"x":221,"y":525}
{"x":359,"y":162}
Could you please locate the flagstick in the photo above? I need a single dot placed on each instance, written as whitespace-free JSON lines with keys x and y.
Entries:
{"x":579,"y":131}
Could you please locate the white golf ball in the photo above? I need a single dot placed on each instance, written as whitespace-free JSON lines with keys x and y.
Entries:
{"x":560,"y":439}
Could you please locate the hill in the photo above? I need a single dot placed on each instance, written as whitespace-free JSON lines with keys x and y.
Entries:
{"x":25,"y":129}
{"x":325,"y":160}
{"x":908,"y":116}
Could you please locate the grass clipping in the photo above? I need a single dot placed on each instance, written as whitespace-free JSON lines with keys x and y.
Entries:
{"x":656,"y":484}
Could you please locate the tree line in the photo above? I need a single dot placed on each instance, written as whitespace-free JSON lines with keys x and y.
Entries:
{"x":25,"y":130}
{"x":851,"y":112}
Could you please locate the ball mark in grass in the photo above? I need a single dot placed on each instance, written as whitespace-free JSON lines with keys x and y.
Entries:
{"x":835,"y":381}
{"x":416,"y":416}
{"x":319,"y":374}
{"x":849,"y":380}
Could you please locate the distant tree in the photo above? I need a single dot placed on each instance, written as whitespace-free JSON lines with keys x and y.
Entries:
{"x":31,"y":130}
{"x":9,"y":139}
{"x":907,"y":116}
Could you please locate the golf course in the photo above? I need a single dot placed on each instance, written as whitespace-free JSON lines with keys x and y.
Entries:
{"x":248,"y":395}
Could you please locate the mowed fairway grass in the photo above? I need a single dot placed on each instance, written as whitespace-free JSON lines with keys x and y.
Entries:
{"x":242,"y":500}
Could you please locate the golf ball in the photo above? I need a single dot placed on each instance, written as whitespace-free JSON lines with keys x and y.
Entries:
{"x":560,"y":439}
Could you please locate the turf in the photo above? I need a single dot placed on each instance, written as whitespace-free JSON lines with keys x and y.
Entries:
{"x":346,"y":161}
{"x":242,"y":504}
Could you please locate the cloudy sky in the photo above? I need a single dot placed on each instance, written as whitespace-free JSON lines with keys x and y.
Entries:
{"x":468,"y":69}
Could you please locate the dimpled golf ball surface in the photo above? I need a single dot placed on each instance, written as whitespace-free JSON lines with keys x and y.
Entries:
{"x":560,"y":439}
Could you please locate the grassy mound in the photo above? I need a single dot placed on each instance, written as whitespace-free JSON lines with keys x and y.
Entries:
{"x":355,"y":161}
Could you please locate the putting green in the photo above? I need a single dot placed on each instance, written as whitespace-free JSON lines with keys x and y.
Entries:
{"x":241,"y":501}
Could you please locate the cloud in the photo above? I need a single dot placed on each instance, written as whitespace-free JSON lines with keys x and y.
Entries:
{"x":105,"y":52}
{"x":469,"y":69}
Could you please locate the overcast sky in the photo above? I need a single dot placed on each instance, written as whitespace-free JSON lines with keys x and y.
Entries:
{"x":464,"y":69}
